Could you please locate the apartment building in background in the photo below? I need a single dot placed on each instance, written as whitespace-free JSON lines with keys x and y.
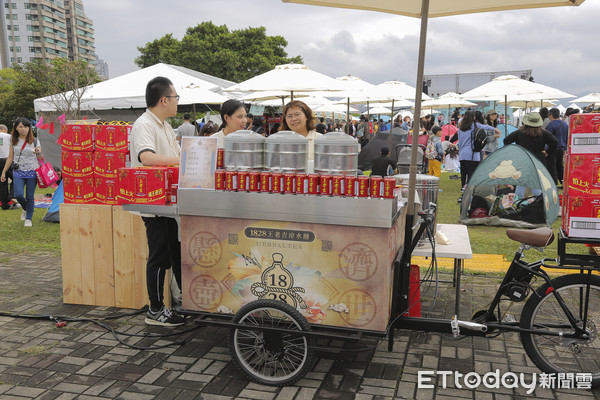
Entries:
{"x":45,"y":29}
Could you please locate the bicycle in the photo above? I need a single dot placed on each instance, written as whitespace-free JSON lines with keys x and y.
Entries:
{"x":558,"y":325}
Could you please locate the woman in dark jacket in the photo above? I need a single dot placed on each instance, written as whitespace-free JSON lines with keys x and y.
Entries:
{"x":533,"y":137}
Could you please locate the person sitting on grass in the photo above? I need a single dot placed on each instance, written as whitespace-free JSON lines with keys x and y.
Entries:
{"x":383,"y":164}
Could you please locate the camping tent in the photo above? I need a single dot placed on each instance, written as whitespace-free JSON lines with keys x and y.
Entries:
{"x":508,"y":172}
{"x":52,"y":215}
{"x":373,"y":148}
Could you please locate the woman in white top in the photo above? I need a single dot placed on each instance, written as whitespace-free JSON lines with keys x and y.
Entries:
{"x":233,"y":115}
{"x":297,"y":117}
{"x":24,"y":151}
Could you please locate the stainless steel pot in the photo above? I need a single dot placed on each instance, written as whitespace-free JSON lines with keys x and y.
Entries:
{"x":245,"y":151}
{"x":286,"y":151}
{"x":336,"y":153}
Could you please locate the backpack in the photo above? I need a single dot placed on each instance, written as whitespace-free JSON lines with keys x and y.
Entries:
{"x":360,"y":132}
{"x":478,"y":139}
{"x":430,"y":151}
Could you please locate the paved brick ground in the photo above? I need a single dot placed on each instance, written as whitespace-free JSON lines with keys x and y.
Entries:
{"x":84,"y":361}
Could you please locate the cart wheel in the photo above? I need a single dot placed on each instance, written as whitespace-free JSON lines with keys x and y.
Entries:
{"x":271,"y":358}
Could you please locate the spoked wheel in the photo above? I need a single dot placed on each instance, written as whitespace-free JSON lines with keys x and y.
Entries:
{"x":543,"y":312}
{"x":271,"y":358}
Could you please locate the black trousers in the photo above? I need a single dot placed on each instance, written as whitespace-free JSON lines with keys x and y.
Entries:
{"x":6,"y":192}
{"x":558,"y":162}
{"x":164,"y":252}
{"x":467,"y":167}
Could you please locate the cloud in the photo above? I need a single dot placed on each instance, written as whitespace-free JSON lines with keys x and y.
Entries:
{"x":557,"y":43}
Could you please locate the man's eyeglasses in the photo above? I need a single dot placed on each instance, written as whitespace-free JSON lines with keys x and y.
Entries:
{"x":176,"y":97}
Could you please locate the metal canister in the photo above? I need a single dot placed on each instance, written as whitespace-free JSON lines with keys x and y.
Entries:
{"x":376,"y":183}
{"x":289,"y":183}
{"x":230,"y":181}
{"x":254,"y":181}
{"x":313,"y":183}
{"x":220,"y":158}
{"x":337,"y":185}
{"x":325,"y":182}
{"x":242,"y":180}
{"x":277,"y":182}
{"x":220,"y":179}
{"x":389,"y":184}
{"x":265,"y":182}
{"x":350,"y":186}
{"x":363,"y":186}
{"x":301,"y":183}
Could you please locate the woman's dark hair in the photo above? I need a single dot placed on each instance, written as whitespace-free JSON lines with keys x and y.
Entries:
{"x":531,"y":131}
{"x":15,"y":133}
{"x":257,"y":121}
{"x":229,"y":108}
{"x":479,"y":117}
{"x":156,"y":89}
{"x":208,"y":129}
{"x":467,"y":121}
{"x":489,"y":121}
{"x":310,"y":122}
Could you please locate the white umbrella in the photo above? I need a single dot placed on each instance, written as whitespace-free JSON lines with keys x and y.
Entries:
{"x":290,"y":78}
{"x":588,"y":98}
{"x":268,"y":95}
{"x":423,"y":9}
{"x":394,"y":90}
{"x":509,"y":85}
{"x":333,"y":107}
{"x":378,"y":110}
{"x":448,"y":100}
{"x":522,"y":102}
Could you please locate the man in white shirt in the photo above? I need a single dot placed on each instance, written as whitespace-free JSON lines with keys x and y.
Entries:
{"x":4,"y":150}
{"x":153,"y":143}
{"x":185,"y":129}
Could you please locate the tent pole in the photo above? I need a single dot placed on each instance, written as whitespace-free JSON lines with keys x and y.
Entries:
{"x":402,"y":272}
{"x":391,"y":127}
{"x":505,"y":115}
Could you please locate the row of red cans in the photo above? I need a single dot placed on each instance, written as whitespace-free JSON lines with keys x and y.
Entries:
{"x":305,"y":184}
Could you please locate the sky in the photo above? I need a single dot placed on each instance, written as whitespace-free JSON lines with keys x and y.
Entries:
{"x":559,"y":44}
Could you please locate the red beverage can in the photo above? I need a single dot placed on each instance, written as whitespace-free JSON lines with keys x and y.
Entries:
{"x":313,"y":183}
{"x":242,"y":180}
{"x":337,"y":185}
{"x":277,"y":182}
{"x":325,"y":185}
{"x":265,"y":182}
{"x":376,"y":183}
{"x":289,"y":183}
{"x":389,"y":184}
{"x":230,"y":181}
{"x":254,"y":181}
{"x":174,"y":188}
{"x":301,"y":183}
{"x":350,"y":186}
{"x":220,"y":158}
{"x":363,"y":186}
{"x":220,"y":179}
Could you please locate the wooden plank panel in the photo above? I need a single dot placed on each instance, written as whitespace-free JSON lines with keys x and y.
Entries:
{"x":104,"y":277}
{"x":140,"y":258}
{"x":123,"y":259}
{"x":70,"y":254}
{"x":86,"y":249}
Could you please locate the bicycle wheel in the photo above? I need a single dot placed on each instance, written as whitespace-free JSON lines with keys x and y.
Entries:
{"x":556,"y":354}
{"x":271,"y":358}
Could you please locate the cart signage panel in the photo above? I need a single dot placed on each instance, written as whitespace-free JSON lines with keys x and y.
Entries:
{"x":332,"y":274}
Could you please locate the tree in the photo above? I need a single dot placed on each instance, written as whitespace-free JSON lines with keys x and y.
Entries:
{"x":233,"y":55}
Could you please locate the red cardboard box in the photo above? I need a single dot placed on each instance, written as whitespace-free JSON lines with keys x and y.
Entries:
{"x":581,"y":216}
{"x":174,"y":174}
{"x":582,"y":174}
{"x":584,"y":134}
{"x":106,"y":190}
{"x":113,"y":138}
{"x":77,"y":137}
{"x":79,"y":190}
{"x":144,"y":185}
{"x":77,"y":164}
{"x":107,"y":163}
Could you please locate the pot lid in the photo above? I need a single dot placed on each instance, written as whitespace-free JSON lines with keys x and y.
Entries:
{"x":335,"y":138}
{"x":244,"y":136}
{"x":286,"y":137}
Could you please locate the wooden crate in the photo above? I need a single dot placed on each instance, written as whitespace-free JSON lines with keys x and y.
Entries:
{"x":104,"y":253}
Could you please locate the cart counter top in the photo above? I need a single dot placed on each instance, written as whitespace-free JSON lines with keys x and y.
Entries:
{"x":365,"y":212}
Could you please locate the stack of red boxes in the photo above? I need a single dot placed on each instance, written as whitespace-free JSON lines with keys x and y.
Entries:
{"x":581,"y":195}
{"x":78,"y":163}
{"x":91,"y":156}
{"x":148,"y":185}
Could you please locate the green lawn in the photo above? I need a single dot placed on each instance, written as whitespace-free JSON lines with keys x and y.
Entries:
{"x":45,"y":237}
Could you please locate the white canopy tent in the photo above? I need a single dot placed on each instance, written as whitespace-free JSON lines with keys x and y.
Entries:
{"x":128,"y":91}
